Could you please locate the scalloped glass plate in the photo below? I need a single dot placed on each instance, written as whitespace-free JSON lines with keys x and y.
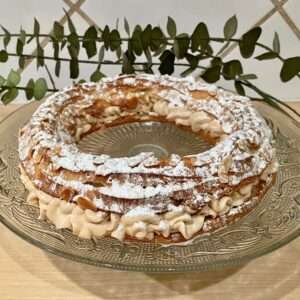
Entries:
{"x":273,"y":223}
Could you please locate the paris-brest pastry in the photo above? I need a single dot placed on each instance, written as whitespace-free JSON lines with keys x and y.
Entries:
{"x":143,"y":197}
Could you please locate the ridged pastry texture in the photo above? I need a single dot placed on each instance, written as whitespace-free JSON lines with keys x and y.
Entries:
{"x":135,"y":196}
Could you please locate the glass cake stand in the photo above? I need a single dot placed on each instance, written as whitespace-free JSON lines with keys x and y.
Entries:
{"x":273,"y":223}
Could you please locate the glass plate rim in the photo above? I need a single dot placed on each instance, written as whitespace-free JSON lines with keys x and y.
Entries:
{"x":226,"y":263}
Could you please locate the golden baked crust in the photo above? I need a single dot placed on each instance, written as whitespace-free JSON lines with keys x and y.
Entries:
{"x":147,"y":196}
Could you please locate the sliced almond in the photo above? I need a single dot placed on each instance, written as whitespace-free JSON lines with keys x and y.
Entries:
{"x":85,"y":203}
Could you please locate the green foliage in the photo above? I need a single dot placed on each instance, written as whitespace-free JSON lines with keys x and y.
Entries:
{"x":232,"y":69}
{"x":13,"y":79}
{"x":230,"y":27}
{"x":114,"y":40}
{"x":239,"y":88}
{"x":181,"y":45}
{"x":40,"y":89}
{"x":96,"y":76}
{"x":58,"y":31}
{"x":71,"y":26}
{"x":267,"y":55}
{"x":248,"y":42}
{"x":74,"y":68}
{"x":3,"y":56}
{"x":127,"y":67}
{"x":167,"y":62}
{"x":89,"y":42}
{"x":136,"y":42}
{"x":157,"y":38}
{"x":171,"y":27}
{"x":9,"y":95}
{"x":200,"y":37}
{"x":290,"y":68}
{"x":126,"y":27}
{"x":29,"y":89}
{"x":7,"y":37}
{"x":145,"y":49}
{"x":2,"y":81}
{"x":212,"y":74}
{"x":276,"y":43}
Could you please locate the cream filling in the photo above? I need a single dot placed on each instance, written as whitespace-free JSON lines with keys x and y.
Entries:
{"x":199,"y":120}
{"x":140,"y":222}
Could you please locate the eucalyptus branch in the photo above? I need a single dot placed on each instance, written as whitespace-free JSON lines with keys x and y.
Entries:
{"x":268,"y":96}
{"x":50,"y":77}
{"x":157,"y":49}
{"x":96,"y":62}
{"x":24,"y":88}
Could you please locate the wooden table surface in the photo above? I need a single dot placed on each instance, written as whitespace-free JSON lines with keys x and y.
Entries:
{"x":27,"y":272}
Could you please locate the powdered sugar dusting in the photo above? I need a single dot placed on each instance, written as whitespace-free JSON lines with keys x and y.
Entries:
{"x":238,"y":119}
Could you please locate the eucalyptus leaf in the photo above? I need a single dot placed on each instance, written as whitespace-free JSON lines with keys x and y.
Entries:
{"x":146,"y":36}
{"x":200,"y":37}
{"x":2,"y":81}
{"x":148,"y":56}
{"x":136,"y":41}
{"x":181,"y":45}
{"x":40,"y":89}
{"x":22,"y":36}
{"x":10,"y":95}
{"x":106,"y":37}
{"x":290,"y":68}
{"x":126,"y":27}
{"x":160,"y":50}
{"x":36,"y":28}
{"x":239,"y":88}
{"x":147,"y":69}
{"x":96,"y":76}
{"x":232,"y":69}
{"x":167,"y":62}
{"x":19,"y":48}
{"x":216,"y":61}
{"x":193,"y":60}
{"x":212,"y":74}
{"x":248,"y":42}
{"x":157,"y":38}
{"x":13,"y":78}
{"x":276,"y":43}
{"x":55,"y":49}
{"x":230,"y":27}
{"x":119,"y":53}
{"x":247,"y":76}
{"x":187,"y":72}
{"x":266,"y":55}
{"x":58,"y":31}
{"x":89,"y":41}
{"x":101,"y":56}
{"x":22,"y":61}
{"x":63,"y":44}
{"x":7,"y":37}
{"x":70,"y":23}
{"x":29,"y":89}
{"x":115,"y":40}
{"x":81,"y":81}
{"x":127,"y":67}
{"x":171,"y":27}
{"x":74,"y":68}
{"x":40,"y":56}
{"x":57,"y":68}
{"x":131,"y":57}
{"x":3,"y":56}
{"x":73,"y":40}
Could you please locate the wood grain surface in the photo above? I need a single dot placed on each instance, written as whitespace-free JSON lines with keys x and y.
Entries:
{"x":29,"y":273}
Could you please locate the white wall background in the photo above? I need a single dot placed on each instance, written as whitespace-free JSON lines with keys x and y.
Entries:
{"x":273,"y":15}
